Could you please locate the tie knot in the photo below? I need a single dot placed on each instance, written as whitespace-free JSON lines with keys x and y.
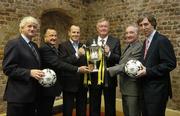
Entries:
{"x":102,"y":42}
{"x":147,"y":41}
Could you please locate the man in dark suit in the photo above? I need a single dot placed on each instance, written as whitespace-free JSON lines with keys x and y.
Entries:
{"x":50,"y":59}
{"x":159,"y":59}
{"x":129,"y":86}
{"x":21,"y":64}
{"x":74,"y":91}
{"x":112,"y":52}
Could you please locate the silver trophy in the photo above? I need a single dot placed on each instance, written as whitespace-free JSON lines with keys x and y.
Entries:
{"x":95,"y":55}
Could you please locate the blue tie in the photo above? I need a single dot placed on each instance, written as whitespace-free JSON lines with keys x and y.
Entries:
{"x":34,"y":50}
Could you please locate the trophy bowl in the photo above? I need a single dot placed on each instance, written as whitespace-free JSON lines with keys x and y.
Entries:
{"x":95,"y":56}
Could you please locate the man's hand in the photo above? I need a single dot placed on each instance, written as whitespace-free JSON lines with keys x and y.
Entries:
{"x":81,"y":51}
{"x":37,"y":74}
{"x":141,"y":72}
{"x":106,"y":50}
{"x":91,"y":67}
{"x":83,"y":69}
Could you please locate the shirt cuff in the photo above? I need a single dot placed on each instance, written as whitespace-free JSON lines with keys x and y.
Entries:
{"x":78,"y":69}
{"x":108,"y":55}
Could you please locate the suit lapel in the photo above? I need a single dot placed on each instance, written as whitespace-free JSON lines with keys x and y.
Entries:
{"x":127,"y":51}
{"x":52,"y":48}
{"x":151,"y":45}
{"x":71,"y":48}
{"x":127,"y":47}
{"x":80,"y":45}
{"x":27,"y":47}
{"x":109,"y":41}
{"x":25,"y":44}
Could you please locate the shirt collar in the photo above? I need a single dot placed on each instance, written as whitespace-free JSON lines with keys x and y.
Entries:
{"x":25,"y":38}
{"x":151,"y":36}
{"x":74,"y":43}
{"x":99,"y":40}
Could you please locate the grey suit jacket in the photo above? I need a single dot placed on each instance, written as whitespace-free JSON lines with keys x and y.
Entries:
{"x":128,"y":85}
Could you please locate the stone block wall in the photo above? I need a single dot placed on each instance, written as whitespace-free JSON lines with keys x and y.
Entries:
{"x":86,"y":13}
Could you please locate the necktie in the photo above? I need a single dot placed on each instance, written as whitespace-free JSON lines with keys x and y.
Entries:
{"x":102,"y":42}
{"x":55,"y":49}
{"x":34,"y":50}
{"x":146,"y":48}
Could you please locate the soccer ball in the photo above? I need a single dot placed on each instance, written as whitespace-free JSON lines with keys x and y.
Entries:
{"x":132,"y":67}
{"x":49,"y":79}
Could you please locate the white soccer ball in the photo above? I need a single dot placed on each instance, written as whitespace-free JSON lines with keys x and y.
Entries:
{"x":49,"y":79}
{"x":132,"y":67}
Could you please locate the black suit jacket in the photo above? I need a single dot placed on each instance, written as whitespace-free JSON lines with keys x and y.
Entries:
{"x":110,"y":61}
{"x":159,"y":61}
{"x":71,"y":81}
{"x":50,"y":59}
{"x":17,"y":62}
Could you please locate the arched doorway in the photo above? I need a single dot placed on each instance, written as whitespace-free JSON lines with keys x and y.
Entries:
{"x":58,"y":20}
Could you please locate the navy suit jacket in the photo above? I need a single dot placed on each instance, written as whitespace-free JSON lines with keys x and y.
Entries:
{"x":159,"y":61}
{"x":17,"y":63}
{"x":71,"y":81}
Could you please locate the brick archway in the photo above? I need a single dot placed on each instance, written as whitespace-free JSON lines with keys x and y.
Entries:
{"x":57,"y":19}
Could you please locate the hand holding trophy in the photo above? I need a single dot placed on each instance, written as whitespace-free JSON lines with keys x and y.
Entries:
{"x":95,"y":60}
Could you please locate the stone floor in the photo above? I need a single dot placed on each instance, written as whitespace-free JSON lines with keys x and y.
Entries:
{"x":102,"y":114}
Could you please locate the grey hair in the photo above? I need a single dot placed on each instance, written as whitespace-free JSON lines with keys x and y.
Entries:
{"x":26,"y":20}
{"x":102,"y":20}
{"x":135,"y":26}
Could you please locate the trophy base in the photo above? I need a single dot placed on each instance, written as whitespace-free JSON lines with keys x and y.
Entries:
{"x":94,"y":70}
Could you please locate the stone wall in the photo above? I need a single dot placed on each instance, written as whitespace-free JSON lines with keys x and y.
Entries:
{"x":86,"y":13}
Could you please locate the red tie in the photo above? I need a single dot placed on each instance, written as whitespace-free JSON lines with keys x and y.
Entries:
{"x":146,"y":48}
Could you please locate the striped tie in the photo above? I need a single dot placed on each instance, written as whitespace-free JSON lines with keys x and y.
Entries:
{"x":102,"y":42}
{"x":34,"y":50}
